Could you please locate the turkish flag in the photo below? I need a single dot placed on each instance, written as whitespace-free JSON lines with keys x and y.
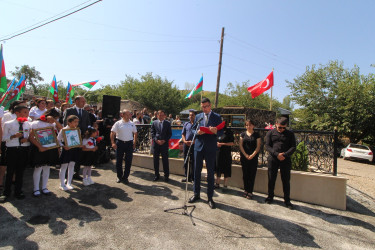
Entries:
{"x":261,"y":86}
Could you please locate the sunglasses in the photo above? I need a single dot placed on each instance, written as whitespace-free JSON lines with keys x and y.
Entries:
{"x":281,"y":127}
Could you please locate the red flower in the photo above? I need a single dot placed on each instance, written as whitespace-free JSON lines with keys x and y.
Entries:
{"x":22,"y":119}
{"x":43,"y":118}
{"x":90,"y":143}
{"x":99,"y":139}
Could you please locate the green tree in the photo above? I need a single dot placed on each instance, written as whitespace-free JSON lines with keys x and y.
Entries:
{"x":331,"y":96}
{"x":32,"y":76}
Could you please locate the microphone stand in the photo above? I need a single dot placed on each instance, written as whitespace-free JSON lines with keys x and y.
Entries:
{"x":185,"y":206}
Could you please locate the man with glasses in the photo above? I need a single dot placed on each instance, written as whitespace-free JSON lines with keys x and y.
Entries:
{"x":280,"y":144}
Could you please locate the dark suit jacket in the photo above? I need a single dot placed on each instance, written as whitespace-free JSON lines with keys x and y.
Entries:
{"x":165,"y":134}
{"x":84,"y":121}
{"x":208,"y":141}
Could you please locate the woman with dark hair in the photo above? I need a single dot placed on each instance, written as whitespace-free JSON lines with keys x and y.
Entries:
{"x":39,"y":109}
{"x":43,"y":158}
{"x":224,"y":156}
{"x":249,"y":150}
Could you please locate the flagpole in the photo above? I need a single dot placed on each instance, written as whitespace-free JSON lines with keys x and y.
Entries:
{"x":271,"y":94}
{"x":202,"y":90}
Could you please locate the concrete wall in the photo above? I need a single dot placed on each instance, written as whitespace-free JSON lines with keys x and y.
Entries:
{"x":321,"y":189}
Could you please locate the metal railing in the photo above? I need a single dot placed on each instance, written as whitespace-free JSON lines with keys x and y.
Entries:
{"x":321,"y":147}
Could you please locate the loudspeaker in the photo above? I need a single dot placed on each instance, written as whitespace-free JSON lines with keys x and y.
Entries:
{"x":111,"y":106}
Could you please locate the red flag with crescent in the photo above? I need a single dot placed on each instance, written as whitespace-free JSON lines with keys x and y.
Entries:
{"x":261,"y":86}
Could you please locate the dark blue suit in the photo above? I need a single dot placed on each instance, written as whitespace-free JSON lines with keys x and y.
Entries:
{"x":158,"y":134}
{"x":205,"y":148}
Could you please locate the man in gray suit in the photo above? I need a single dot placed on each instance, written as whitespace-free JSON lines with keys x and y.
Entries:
{"x":84,"y":122}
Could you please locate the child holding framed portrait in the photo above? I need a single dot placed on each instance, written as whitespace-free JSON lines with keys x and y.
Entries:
{"x":44,"y":152}
{"x":71,"y":142}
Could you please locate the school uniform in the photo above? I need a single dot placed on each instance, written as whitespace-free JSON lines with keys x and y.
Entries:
{"x":17,"y":154}
{"x":88,"y":158}
{"x":70,"y":155}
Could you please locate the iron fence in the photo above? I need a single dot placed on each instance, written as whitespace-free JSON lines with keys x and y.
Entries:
{"x":321,"y":147}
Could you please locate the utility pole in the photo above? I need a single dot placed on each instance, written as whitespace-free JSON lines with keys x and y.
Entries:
{"x":219,"y":70}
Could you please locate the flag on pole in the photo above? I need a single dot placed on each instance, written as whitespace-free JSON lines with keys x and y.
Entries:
{"x":4,"y":96}
{"x":69,"y":93}
{"x":53,"y":89}
{"x":86,"y":84}
{"x":3,"y":79}
{"x":198,"y":88}
{"x":14,"y":95}
{"x":261,"y":86}
{"x":22,"y":86}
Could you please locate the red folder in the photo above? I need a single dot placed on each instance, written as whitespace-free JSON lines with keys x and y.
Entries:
{"x":208,"y":131}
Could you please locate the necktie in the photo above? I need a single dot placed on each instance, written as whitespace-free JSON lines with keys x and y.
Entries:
{"x":206,"y":121}
{"x":80,"y":112}
{"x":20,"y":131}
{"x":93,"y":141}
{"x":161,"y":126}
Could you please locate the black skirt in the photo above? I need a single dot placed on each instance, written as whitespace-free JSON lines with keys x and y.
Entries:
{"x":49,"y":157}
{"x":70,"y":155}
{"x":88,"y":158}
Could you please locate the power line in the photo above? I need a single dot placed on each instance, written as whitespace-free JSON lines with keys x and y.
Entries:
{"x":56,"y":19}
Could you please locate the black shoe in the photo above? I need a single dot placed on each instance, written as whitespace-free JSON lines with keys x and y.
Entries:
{"x":77,"y":177}
{"x":194,"y":199}
{"x":118,"y":180}
{"x":20,"y":196}
{"x":3,"y":198}
{"x":156,"y":178}
{"x":166,"y":179}
{"x":268,"y":200}
{"x":212,"y":204}
{"x":126,"y":181}
{"x":289,"y":205}
{"x":183,"y":180}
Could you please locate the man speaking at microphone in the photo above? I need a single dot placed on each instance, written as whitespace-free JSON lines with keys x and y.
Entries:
{"x":205,"y":148}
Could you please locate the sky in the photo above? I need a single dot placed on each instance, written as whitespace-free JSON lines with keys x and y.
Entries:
{"x":180,"y":40}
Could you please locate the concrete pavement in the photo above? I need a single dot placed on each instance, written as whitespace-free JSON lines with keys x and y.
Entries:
{"x":110,"y":215}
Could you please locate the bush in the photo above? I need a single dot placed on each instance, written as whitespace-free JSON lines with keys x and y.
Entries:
{"x":300,"y":158}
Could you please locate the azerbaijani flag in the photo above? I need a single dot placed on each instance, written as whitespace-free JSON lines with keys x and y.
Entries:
{"x":86,"y":84}
{"x":198,"y":88}
{"x":3,"y":79}
{"x":7,"y":92}
{"x":14,"y":95}
{"x":69,"y":93}
{"x":53,"y":89}
{"x":174,"y":145}
{"x":22,"y":86}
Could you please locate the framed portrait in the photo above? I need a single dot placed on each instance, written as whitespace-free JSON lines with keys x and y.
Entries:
{"x":46,"y":137}
{"x":72,"y":137}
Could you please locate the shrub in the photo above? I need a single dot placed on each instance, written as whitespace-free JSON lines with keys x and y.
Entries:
{"x":300,"y":158}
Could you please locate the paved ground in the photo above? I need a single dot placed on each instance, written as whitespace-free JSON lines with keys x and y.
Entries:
{"x":108,"y":215}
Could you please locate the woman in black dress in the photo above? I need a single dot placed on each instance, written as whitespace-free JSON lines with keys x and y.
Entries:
{"x":224,"y":156}
{"x":249,"y":149}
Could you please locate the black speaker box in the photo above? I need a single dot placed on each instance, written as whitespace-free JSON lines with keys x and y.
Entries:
{"x":111,"y":106}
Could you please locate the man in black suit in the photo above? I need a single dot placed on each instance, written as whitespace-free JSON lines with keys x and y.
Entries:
{"x":84,"y":122}
{"x":205,"y":148}
{"x":161,"y":132}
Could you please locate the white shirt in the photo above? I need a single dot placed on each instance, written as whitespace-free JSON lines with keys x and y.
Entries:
{"x":124,"y":130}
{"x":89,"y":143}
{"x":1,"y":112}
{"x":36,"y":113}
{"x":11,"y":128}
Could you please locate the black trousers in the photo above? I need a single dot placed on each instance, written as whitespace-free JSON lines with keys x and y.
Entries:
{"x":249,"y":172}
{"x":124,"y":148}
{"x":163,"y":151}
{"x":273,"y":166}
{"x":17,"y":159}
{"x":190,"y":162}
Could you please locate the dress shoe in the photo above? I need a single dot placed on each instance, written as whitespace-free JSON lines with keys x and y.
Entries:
{"x":126,"y":181}
{"x":194,"y":199}
{"x":289,"y":205}
{"x":166,"y":179}
{"x":20,"y":196}
{"x":269,"y":200}
{"x":212,"y":204}
{"x":77,"y":177}
{"x":156,"y":178}
{"x":118,"y":180}
{"x":3,"y":198}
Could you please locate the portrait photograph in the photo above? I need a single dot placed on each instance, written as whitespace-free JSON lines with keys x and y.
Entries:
{"x":46,"y":137}
{"x":72,"y":137}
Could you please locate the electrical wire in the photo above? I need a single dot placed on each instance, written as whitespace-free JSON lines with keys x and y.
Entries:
{"x":54,"y":20}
